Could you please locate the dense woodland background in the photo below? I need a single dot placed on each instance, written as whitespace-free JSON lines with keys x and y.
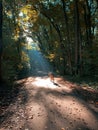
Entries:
{"x":66,"y":32}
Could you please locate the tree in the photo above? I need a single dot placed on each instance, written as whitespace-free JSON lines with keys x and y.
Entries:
{"x":68,"y":37}
{"x":77,"y":40}
{"x":66,"y":31}
{"x":0,"y":38}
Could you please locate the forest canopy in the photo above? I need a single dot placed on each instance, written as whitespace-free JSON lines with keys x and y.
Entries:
{"x":65,"y":31}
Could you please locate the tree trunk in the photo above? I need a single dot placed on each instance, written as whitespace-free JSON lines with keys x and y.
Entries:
{"x":0,"y":38}
{"x":88,"y":22}
{"x":68,"y":38}
{"x":77,"y":40}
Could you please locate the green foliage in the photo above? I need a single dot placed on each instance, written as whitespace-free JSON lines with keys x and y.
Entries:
{"x":24,"y":58}
{"x":55,"y":33}
{"x":10,"y":60}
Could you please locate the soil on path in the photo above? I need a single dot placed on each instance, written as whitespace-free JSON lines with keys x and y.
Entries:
{"x":42,"y":105}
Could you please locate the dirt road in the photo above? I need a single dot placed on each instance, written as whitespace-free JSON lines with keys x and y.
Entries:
{"x":42,"y":105}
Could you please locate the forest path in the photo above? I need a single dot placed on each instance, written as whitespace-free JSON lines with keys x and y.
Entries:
{"x":38,"y":63}
{"x":42,"y":105}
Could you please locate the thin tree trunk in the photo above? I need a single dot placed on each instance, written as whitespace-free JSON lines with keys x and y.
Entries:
{"x":85,"y":18}
{"x":0,"y":38}
{"x":77,"y":40}
{"x":88,"y":21}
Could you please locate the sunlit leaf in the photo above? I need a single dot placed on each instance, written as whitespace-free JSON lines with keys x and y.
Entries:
{"x":20,"y":66}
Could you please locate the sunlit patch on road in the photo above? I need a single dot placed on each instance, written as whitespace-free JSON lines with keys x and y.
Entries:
{"x":43,"y":82}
